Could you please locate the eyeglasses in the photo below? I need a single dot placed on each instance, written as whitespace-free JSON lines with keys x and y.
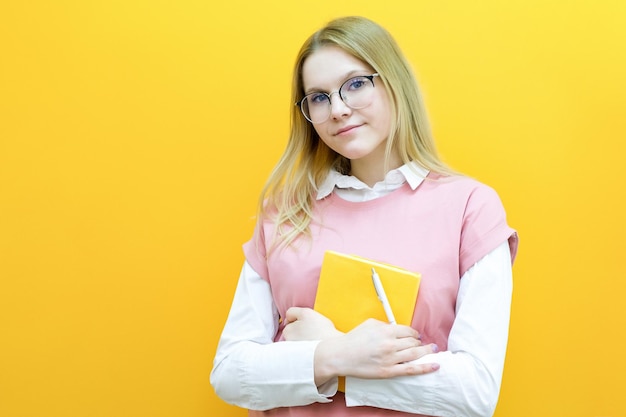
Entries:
{"x":356,"y":93}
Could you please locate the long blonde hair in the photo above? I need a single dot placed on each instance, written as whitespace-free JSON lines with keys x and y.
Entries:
{"x":290,"y":190}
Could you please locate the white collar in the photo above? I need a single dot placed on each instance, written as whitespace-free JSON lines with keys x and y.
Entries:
{"x":411,"y":173}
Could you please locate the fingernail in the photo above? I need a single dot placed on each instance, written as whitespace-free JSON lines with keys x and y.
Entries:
{"x":435,"y":348}
{"x":435,"y":366}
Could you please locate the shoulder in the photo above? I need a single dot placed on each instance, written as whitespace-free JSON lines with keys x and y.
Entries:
{"x":483,"y":218}
{"x":460,"y":188}
{"x":454,"y":181}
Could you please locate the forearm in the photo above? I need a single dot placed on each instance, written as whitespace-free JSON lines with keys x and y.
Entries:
{"x":468,"y":381}
{"x":252,"y":371}
{"x":262,"y":377}
{"x":461,"y":387}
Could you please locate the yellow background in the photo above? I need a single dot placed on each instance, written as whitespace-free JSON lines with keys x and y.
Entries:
{"x":135,"y":137}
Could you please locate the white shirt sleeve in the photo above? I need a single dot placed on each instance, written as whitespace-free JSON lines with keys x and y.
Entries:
{"x":253,"y":372}
{"x":249,"y":369}
{"x":468,"y":381}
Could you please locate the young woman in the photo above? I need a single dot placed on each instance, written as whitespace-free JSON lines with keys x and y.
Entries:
{"x":361,"y":175}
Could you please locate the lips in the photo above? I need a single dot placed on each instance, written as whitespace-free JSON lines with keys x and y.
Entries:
{"x":346,"y":129}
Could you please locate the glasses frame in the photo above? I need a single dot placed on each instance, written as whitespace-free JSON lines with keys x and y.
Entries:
{"x":338,"y":92}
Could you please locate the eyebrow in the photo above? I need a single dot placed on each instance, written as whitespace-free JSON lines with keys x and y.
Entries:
{"x":346,"y":77}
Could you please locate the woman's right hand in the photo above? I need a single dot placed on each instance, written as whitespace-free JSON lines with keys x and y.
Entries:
{"x":373,"y":350}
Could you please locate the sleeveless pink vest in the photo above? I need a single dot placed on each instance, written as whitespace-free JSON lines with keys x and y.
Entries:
{"x":440,"y":230}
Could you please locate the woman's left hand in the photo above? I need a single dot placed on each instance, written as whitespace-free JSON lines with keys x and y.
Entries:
{"x":308,"y":324}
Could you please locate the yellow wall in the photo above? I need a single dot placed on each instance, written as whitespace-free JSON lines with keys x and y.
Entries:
{"x":135,"y":136}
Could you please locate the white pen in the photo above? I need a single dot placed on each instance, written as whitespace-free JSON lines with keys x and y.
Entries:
{"x":382,"y":296}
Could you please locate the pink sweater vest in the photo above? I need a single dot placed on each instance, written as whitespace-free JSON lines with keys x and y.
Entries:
{"x":440,"y":230}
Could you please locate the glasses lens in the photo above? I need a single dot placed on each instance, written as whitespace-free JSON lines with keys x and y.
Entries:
{"x":316,"y":107}
{"x":357,"y":92}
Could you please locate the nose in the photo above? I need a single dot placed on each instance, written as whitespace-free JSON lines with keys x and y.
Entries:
{"x":338,"y":108}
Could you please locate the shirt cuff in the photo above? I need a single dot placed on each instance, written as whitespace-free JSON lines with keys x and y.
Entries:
{"x":283,"y":376}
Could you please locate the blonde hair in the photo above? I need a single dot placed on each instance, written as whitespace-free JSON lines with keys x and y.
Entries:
{"x":289,"y":193}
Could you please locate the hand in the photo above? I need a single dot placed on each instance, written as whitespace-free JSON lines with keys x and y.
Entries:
{"x":373,"y":350}
{"x":308,"y":324}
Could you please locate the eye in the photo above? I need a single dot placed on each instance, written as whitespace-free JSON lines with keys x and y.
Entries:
{"x":317,"y":98}
{"x":357,"y":83}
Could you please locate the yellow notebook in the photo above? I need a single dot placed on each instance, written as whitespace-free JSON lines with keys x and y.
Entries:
{"x":346,"y":293}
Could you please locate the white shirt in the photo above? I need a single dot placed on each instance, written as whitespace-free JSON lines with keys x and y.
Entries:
{"x":253,"y":372}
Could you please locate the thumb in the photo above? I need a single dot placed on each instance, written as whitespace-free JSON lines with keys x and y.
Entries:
{"x":293,"y":314}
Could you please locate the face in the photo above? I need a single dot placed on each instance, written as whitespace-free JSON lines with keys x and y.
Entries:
{"x":357,"y":134}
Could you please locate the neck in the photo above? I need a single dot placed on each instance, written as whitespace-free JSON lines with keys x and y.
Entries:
{"x":371,"y":171}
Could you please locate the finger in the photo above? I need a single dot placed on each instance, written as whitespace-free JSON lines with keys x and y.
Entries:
{"x":406,"y":331}
{"x":414,"y":353}
{"x":406,"y":343}
{"x":427,"y":349}
{"x":417,"y":368}
{"x":293,"y":314}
